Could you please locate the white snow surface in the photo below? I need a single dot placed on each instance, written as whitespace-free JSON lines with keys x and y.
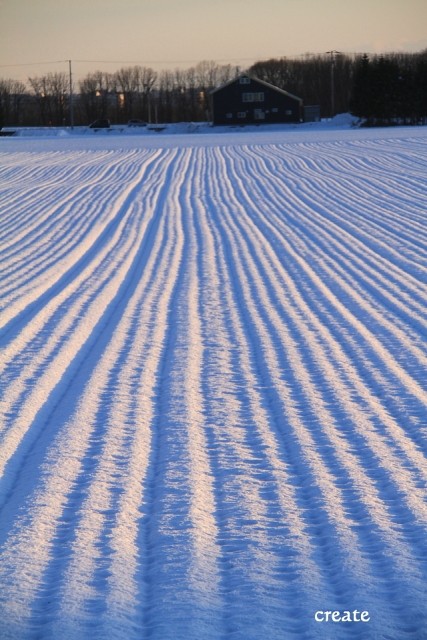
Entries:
{"x":213,"y":418}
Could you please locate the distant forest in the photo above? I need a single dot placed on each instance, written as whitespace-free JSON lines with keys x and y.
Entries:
{"x":380,"y":89}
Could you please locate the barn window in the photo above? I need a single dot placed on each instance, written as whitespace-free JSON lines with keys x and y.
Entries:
{"x":241,"y":114}
{"x":253,"y":97}
{"x":244,"y":80}
{"x":275,"y":110}
{"x":228,"y":115}
{"x":288,"y":112}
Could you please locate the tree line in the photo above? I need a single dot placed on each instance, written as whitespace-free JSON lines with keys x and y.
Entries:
{"x":380,"y":89}
{"x":135,"y":92}
{"x":391,"y":89}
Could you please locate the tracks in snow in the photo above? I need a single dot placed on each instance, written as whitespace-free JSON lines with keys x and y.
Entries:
{"x":213,"y":391}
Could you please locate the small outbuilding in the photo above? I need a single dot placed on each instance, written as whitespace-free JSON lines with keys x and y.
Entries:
{"x":248,"y":100}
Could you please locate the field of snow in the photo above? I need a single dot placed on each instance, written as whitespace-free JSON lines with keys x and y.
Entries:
{"x":213,"y":418}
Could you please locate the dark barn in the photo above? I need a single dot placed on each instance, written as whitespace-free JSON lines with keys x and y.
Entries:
{"x":247,"y":100}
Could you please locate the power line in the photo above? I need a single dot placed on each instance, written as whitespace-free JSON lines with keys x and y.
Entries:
{"x":188,"y":61}
{"x":155,"y":61}
{"x":32,"y":64}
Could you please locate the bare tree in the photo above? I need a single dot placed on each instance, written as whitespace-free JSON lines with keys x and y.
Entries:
{"x":51,"y":92}
{"x":148,"y":78}
{"x":134,"y":85}
{"x":210,"y":75}
{"x":95,"y":95}
{"x":12,"y":95}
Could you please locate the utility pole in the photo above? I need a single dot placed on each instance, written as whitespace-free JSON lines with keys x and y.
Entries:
{"x":332,"y":54}
{"x":71,"y":97}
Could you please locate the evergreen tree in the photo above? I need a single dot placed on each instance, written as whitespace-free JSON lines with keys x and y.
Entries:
{"x":361,"y":103}
{"x":420,"y":82}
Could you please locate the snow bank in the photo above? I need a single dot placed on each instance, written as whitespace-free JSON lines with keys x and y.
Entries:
{"x":342,"y":121}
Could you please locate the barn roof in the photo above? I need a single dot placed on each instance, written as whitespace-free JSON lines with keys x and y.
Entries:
{"x":265,"y":84}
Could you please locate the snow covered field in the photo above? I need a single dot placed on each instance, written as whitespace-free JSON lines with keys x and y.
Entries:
{"x":213,"y":419}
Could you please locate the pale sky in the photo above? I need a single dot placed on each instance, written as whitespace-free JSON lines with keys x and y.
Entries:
{"x":180,"y":33}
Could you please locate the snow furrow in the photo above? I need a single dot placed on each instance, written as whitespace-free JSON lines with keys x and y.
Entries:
{"x":180,"y":532}
{"x":70,"y":452}
{"x":249,"y":455}
{"x":50,"y":181}
{"x":43,"y":268}
{"x":374,"y":501}
{"x":115,"y":498}
{"x":345,"y":209}
{"x":213,"y":389}
{"x":292,"y":286}
{"x":363,"y":327}
{"x":411,"y":354}
{"x":363,"y":263}
{"x":63,"y":331}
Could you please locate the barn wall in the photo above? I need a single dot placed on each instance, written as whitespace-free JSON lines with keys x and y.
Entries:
{"x":229,"y":106}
